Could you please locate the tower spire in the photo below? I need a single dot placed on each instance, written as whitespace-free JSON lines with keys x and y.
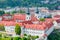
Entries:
{"x":28,"y":12}
{"x":37,"y":11}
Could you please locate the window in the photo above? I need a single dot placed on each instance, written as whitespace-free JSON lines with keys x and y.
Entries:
{"x":11,"y":27}
{"x":27,"y":17}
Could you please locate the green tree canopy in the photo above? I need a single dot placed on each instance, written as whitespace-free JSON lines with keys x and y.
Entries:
{"x":55,"y":35}
{"x":18,"y":29}
{"x":42,"y":19}
{"x":21,"y":11}
{"x":1,"y":12}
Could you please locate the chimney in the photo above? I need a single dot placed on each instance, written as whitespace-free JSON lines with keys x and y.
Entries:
{"x":28,"y":16}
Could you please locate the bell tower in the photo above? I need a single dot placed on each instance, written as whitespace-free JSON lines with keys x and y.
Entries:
{"x":28,"y":16}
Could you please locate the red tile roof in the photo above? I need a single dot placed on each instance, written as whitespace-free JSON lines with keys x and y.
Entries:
{"x":29,"y":25}
{"x":57,"y":18}
{"x":19,"y":16}
{"x":33,"y":18}
{"x":47,"y":22}
{"x":27,"y":22}
{"x":7,"y":15}
{"x":9,"y":23}
{"x":4,"y":19}
{"x":35,"y":26}
{"x":23,"y":17}
{"x":49,"y":19}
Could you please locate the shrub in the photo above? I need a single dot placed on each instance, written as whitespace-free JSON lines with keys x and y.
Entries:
{"x":6,"y":38}
{"x":16,"y":38}
{"x":21,"y":11}
{"x":42,"y":19}
{"x":0,"y":35}
{"x":25,"y":34}
{"x":37,"y":36}
{"x":29,"y":35}
{"x":24,"y":38}
{"x":0,"y":38}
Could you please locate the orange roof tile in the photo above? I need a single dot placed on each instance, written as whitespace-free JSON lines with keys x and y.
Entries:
{"x":19,"y":16}
{"x":27,"y":22}
{"x":35,"y":26}
{"x":7,"y":15}
{"x":33,"y":18}
{"x":9,"y":23}
{"x":57,"y":18}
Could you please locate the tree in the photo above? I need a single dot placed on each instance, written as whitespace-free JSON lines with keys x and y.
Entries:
{"x":48,"y":16}
{"x":42,"y":19}
{"x":24,"y":38}
{"x":18,"y":29}
{"x":55,"y":35}
{"x":29,"y":37}
{"x":16,"y":38}
{"x":13,"y":12}
{"x":2,"y":28}
{"x":1,"y":12}
{"x":33,"y":37}
{"x":0,"y":35}
{"x":25,"y":34}
{"x":21,"y":11}
{"x":37,"y":36}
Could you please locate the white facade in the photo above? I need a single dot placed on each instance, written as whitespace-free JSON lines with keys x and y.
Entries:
{"x":34,"y":32}
{"x":50,"y":30}
{"x":57,"y":26}
{"x":28,"y":17}
{"x":37,"y":15}
{"x":10,"y":28}
{"x":38,"y":32}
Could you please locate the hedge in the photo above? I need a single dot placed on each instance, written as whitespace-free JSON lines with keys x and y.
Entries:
{"x":5,"y":38}
{"x":16,"y":38}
